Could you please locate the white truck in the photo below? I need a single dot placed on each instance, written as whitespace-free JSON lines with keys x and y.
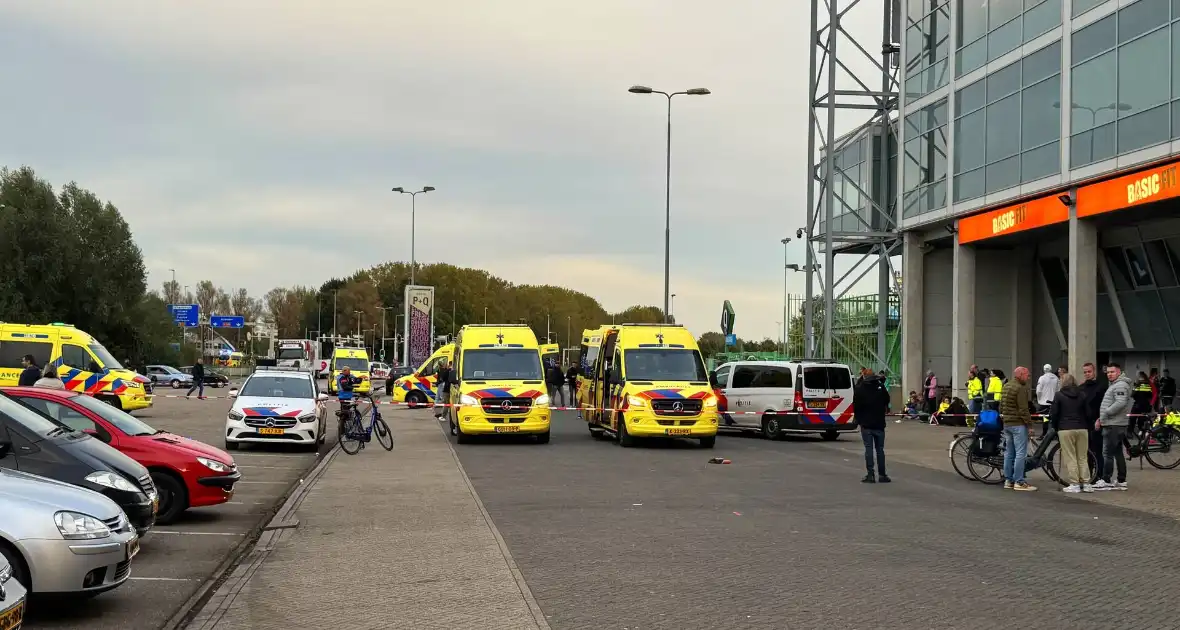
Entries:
{"x":301,"y":354}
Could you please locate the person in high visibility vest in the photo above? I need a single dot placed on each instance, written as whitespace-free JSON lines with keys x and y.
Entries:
{"x":974,"y":391}
{"x":995,"y":388}
{"x":1171,"y":417}
{"x":1141,"y":401}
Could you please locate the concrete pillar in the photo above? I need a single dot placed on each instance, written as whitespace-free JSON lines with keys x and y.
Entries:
{"x":912,"y":350}
{"x":1081,"y":331}
{"x":1022,"y":274}
{"x":963,"y":317}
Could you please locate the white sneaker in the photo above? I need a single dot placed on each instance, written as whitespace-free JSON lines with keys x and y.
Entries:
{"x":1102,"y":485}
{"x":1122,"y":485}
{"x":1073,"y":488}
{"x":1087,"y":487}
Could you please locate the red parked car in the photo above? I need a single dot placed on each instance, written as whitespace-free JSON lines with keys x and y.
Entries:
{"x":187,"y":473}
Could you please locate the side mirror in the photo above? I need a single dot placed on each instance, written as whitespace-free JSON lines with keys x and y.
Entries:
{"x":5,"y":448}
{"x":320,"y":397}
{"x":233,"y":393}
{"x":713,"y":380}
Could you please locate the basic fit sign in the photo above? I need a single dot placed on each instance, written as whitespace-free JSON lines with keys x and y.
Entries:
{"x":1154,"y":184}
{"x":1034,"y":213}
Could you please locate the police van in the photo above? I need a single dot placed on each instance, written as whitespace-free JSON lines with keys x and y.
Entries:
{"x":780,"y":397}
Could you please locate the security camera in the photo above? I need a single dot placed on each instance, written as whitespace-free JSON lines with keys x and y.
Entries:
{"x":799,"y":233}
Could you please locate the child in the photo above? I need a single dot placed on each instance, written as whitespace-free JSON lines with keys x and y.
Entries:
{"x":942,"y":408}
{"x":1171,"y":416}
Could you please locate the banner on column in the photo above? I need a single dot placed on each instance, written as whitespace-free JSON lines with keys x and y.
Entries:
{"x":419,"y":324}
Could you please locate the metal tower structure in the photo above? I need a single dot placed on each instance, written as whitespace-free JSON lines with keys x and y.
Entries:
{"x":845,"y":78}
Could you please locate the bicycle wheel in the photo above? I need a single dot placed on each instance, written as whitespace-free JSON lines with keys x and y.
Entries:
{"x":384,"y":435}
{"x":350,"y":435}
{"x":960,"y":453}
{"x":1163,"y":448}
{"x":988,"y":470}
{"x":1052,"y":465}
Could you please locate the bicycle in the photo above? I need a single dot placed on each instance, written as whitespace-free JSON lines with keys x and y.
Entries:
{"x":1153,"y":436}
{"x":960,"y":451}
{"x":986,"y":464}
{"x":353,"y":432}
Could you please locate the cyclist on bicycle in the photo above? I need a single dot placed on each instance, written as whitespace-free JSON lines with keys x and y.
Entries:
{"x":344,"y":384}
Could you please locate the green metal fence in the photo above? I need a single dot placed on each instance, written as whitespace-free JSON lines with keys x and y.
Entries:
{"x":854,"y":331}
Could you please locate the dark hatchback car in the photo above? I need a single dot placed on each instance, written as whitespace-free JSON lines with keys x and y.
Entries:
{"x":33,"y":443}
{"x":211,"y":378}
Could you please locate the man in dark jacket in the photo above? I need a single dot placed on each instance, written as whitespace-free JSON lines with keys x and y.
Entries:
{"x":1167,"y":390}
{"x":198,"y":381}
{"x":1093,"y":389}
{"x":1068,"y":417}
{"x":30,"y":374}
{"x":571,"y":381}
{"x":870,"y":403}
{"x":555,"y":379}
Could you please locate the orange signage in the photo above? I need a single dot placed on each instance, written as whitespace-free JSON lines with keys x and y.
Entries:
{"x":1031,"y":214}
{"x":1153,"y":184}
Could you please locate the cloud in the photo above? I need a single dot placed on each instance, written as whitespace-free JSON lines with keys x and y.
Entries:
{"x":234,"y":135}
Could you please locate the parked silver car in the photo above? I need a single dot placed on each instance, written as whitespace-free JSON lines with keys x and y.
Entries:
{"x":59,"y":538}
{"x":12,"y":598}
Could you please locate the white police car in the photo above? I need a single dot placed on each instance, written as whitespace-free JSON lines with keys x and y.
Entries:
{"x":277,"y":406}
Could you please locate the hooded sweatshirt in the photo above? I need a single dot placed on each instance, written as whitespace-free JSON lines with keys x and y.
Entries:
{"x":1116,"y":402}
{"x":1046,"y":388}
{"x":1068,"y":412}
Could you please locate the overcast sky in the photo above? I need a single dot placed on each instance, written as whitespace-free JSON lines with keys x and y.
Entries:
{"x":254,"y":143}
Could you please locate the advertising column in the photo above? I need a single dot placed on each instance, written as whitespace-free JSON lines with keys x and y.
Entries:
{"x":419,"y":326}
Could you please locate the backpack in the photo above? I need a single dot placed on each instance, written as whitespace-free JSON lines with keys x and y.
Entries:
{"x":989,"y":422}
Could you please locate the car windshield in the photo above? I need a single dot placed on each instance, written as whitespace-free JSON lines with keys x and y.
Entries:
{"x":277,"y":387}
{"x":663,"y":364}
{"x":29,"y":419}
{"x":356,"y":365}
{"x":124,"y":422}
{"x":502,"y":364}
{"x":289,"y":353}
{"x":108,"y":360}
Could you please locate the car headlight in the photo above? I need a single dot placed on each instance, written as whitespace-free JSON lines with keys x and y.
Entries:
{"x":636,"y":401}
{"x":307,"y":417}
{"x":235,"y":415}
{"x":75,"y":526}
{"x":111,"y":480}
{"x":541,"y":400}
{"x":711,"y":401}
{"x":5,"y":573}
{"x":468,"y":400}
{"x":213,"y":464}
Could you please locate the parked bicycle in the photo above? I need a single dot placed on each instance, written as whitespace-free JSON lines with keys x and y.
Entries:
{"x":1155,"y":441}
{"x":354,"y":433}
{"x":980,"y":457}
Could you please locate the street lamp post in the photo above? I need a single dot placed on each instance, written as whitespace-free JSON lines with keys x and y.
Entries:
{"x":452,"y":320}
{"x":784,"y":242}
{"x":808,"y":269}
{"x":384,"y":330}
{"x":485,"y":315}
{"x":413,"y":218}
{"x":672,"y":309}
{"x":358,"y":322}
{"x":643,"y":89}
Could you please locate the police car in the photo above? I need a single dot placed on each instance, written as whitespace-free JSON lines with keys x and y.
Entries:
{"x":277,"y":405}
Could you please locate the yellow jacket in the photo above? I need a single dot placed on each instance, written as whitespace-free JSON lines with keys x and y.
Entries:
{"x":943,"y":406}
{"x":1173,"y":418}
{"x":995,"y":388}
{"x":974,"y":387}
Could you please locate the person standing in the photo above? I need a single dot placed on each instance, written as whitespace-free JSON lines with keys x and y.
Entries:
{"x":1093,"y":388}
{"x":198,"y":380}
{"x":49,"y":379}
{"x":1046,"y":390}
{"x":870,"y":404}
{"x":1068,"y":415}
{"x":1017,"y":420}
{"x":442,"y":390}
{"x":995,"y":388}
{"x":556,"y":382}
{"x":571,"y":381}
{"x":1167,"y":390}
{"x":930,"y":391}
{"x":1154,"y":380}
{"x":1112,"y":420}
{"x":1141,"y":398}
{"x":30,"y":373}
{"x":974,"y":391}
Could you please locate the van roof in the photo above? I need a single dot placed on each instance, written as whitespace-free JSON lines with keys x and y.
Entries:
{"x":43,"y":330}
{"x":350,"y":352}
{"x":655,"y":335}
{"x":516,"y":335}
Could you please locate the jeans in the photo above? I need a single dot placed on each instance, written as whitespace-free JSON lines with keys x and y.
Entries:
{"x":1112,"y":453}
{"x":573,"y":395}
{"x":198,"y":387}
{"x":874,"y":440}
{"x":1096,"y":449}
{"x":1015,"y":452}
{"x":441,"y":398}
{"x":1075,"y":448}
{"x":975,"y":405}
{"x":556,"y":393}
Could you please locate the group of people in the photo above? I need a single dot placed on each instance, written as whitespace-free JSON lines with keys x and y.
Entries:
{"x":562,"y":386}
{"x":33,"y":375}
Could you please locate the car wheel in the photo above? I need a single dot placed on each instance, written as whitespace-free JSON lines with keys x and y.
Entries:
{"x":20,"y":570}
{"x":831,"y":436}
{"x":113,"y":401}
{"x":709,"y":442}
{"x":625,"y":439}
{"x":460,"y":436}
{"x":770,"y":428}
{"x":543,"y":438}
{"x":175,"y":383}
{"x":173,"y":497}
{"x":415,"y":399}
{"x":231,"y":446}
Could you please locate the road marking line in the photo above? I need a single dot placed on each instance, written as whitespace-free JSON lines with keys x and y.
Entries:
{"x":160,"y":579}
{"x":167,"y":531}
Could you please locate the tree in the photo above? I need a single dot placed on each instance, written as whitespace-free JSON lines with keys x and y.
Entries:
{"x":171,"y":292}
{"x":242,"y":304}
{"x":206,"y":297}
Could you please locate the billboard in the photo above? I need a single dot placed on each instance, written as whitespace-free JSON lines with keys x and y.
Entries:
{"x":419,"y":324}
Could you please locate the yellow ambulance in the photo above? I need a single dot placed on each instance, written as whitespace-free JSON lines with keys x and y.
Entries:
{"x":83,"y":364}
{"x":498,"y":385}
{"x":357,"y":361}
{"x":421,"y":387}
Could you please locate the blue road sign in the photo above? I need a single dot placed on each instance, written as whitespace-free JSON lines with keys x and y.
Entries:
{"x":227,"y":321}
{"x":187,"y":315}
{"x":731,"y":340}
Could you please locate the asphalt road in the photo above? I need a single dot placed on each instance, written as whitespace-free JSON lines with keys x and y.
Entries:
{"x":788,"y":537}
{"x":175,"y":559}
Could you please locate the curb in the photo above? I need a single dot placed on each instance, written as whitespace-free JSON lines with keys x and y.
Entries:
{"x":279,"y":522}
{"x":525,"y":592}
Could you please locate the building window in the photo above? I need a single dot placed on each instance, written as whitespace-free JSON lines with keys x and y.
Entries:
{"x":924,"y":166}
{"x":852,"y":179}
{"x":1008,"y":126}
{"x":1117,"y":106}
{"x":1081,"y":6}
{"x":928,"y":42}
{"x":988,"y":30}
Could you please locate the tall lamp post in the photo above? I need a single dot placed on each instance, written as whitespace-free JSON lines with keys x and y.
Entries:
{"x":643,"y":89}
{"x":485,"y":315}
{"x":413,"y":215}
{"x":672,"y":309}
{"x":383,"y":329}
{"x":784,"y":242}
{"x":358,"y":322}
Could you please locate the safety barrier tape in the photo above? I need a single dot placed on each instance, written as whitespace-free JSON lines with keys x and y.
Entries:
{"x":551,"y":408}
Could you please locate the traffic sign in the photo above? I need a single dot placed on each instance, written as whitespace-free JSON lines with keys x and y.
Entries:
{"x":727,"y":317}
{"x":187,"y":315}
{"x":227,"y":321}
{"x":730,"y":340}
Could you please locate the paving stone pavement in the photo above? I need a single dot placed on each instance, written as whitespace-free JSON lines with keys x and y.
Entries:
{"x":384,"y":540}
{"x":1152,"y":490}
